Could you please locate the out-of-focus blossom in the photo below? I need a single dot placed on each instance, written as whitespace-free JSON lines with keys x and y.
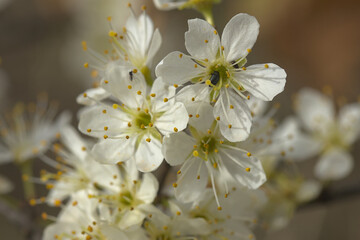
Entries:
{"x":5,"y":185}
{"x":329,"y":136}
{"x":196,"y":4}
{"x":216,"y":69}
{"x":132,"y":128}
{"x":28,"y":130}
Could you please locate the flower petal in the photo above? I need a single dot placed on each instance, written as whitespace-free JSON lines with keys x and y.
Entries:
{"x":334,"y":165}
{"x":178,"y":68}
{"x":235,"y":118}
{"x":168,"y":4}
{"x":154,"y":47}
{"x":246,"y":170}
{"x":201,"y":116}
{"x":189,"y":185}
{"x":193,"y":94}
{"x":177,"y":147}
{"x":315,"y":110}
{"x":148,"y":155}
{"x":148,"y":189}
{"x":173,"y":120}
{"x":92,"y":95}
{"x":308,"y":191}
{"x":263,"y":81}
{"x":113,"y":151}
{"x":239,"y":35}
{"x":202,"y":41}
{"x":162,"y":90}
{"x":349,"y":122}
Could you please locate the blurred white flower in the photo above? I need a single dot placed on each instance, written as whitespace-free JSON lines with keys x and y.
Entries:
{"x":217,"y":72}
{"x":329,"y":136}
{"x":172,"y":4}
{"x":29,"y":130}
{"x":76,"y":169}
{"x":132,"y":128}
{"x":206,"y":153}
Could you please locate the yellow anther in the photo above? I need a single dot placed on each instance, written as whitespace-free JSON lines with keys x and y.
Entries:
{"x":32,"y":202}
{"x":198,"y":177}
{"x":248,"y":50}
{"x":209,"y":131}
{"x":74,"y":203}
{"x":266,"y":65}
{"x":179,"y":172}
{"x":226,"y":195}
{"x":248,"y":154}
{"x":83,"y":148}
{"x":197,"y":115}
{"x":193,"y":99}
{"x":89,"y":228}
{"x":243,"y":68}
{"x":127,"y":137}
{"x":216,"y":150}
{"x":57,"y":203}
{"x":142,"y":126}
{"x":180,"y":55}
{"x":221,"y":142}
{"x":175,"y":185}
{"x":251,"y":236}
{"x":219,"y":208}
{"x":165,"y":227}
{"x":85,"y":95}
{"x":190,"y":115}
{"x":195,"y":65}
{"x":88,"y":130}
{"x":129,"y":4}
{"x":248,"y":97}
{"x":175,"y":85}
{"x":222,"y":48}
{"x":138,"y":92}
{"x":166,"y":99}
{"x":106,"y":128}
{"x":229,"y":126}
{"x":134,"y":70}
{"x":153,"y":95}
{"x":215,"y":32}
{"x":143,"y":7}
{"x":49,"y":186}
{"x":106,"y":81}
{"x":175,"y":129}
{"x":104,"y":111}
{"x":44,"y":216}
{"x":195,"y":153}
{"x":208,"y":82}
{"x":115,"y":106}
{"x":148,"y":140}
{"x":231,"y":107}
{"x":195,"y":146}
{"x":206,"y":60}
{"x":151,"y":124}
{"x":129,"y":87}
{"x":112,"y":34}
{"x":178,"y":213}
{"x":218,"y":118}
{"x":84,"y":45}
{"x":206,"y":41}
{"x":106,"y":136}
{"x":247,"y":169}
{"x":215,"y":165}
{"x":86,"y":65}
{"x":106,"y":51}
{"x":109,"y":18}
{"x":129,"y":124}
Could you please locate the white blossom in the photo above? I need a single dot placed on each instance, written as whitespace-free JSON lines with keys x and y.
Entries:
{"x":220,"y":65}
{"x":132,"y":128}
{"x":207,"y":154}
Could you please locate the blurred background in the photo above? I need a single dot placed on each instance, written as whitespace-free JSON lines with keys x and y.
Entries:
{"x":315,"y":41}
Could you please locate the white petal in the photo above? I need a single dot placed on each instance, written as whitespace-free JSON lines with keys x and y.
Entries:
{"x":334,"y":165}
{"x":178,"y":68}
{"x":308,"y":191}
{"x":117,"y":81}
{"x":289,"y":139}
{"x":235,"y":123}
{"x":202,"y":40}
{"x":194,"y":93}
{"x":5,"y":155}
{"x":92,"y":95}
{"x":5,"y":185}
{"x":93,"y":121}
{"x":58,"y":229}
{"x":315,"y":110}
{"x":205,"y":118}
{"x":257,"y":106}
{"x":263,"y":82}
{"x":239,"y":35}
{"x":72,"y":140}
{"x":175,"y":117}
{"x":112,"y":233}
{"x":148,"y":189}
{"x":177,"y":147}
{"x":189,"y":186}
{"x":148,"y":155}
{"x":154,"y":47}
{"x":349,"y":122}
{"x":162,"y":90}
{"x":236,"y":164}
{"x":112,"y":151}
{"x":168,"y":4}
